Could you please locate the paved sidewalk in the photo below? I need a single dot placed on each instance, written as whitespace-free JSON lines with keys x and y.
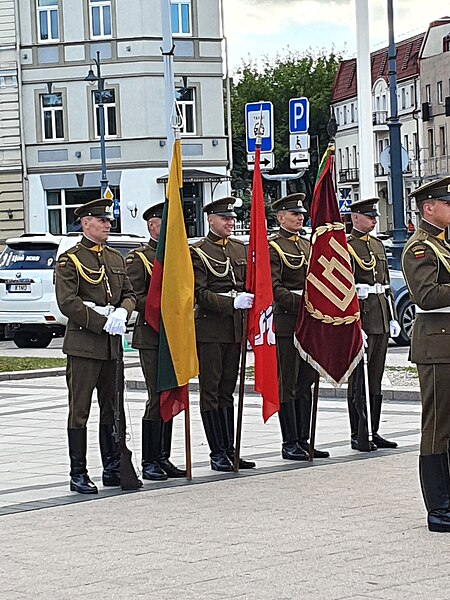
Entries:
{"x":350,"y":527}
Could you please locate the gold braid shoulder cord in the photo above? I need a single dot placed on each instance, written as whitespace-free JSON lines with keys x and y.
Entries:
{"x":284,"y":255}
{"x":315,"y":313}
{"x":147,"y":264}
{"x":365,"y":266}
{"x":207,"y":262}
{"x":86,"y":271}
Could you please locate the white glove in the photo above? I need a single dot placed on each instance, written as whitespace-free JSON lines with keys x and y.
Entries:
{"x":244,"y":300}
{"x":362,"y":291}
{"x":364,"y":338}
{"x":394,"y":328}
{"x":115,"y":325}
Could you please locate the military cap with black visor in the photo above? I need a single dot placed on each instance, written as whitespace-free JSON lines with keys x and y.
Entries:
{"x":153,"y":212}
{"x":434,"y":190}
{"x":100,"y":208}
{"x":366,"y":207}
{"x":223,"y":207}
{"x":292,"y":202}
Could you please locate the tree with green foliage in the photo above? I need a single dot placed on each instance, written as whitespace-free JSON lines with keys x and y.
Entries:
{"x":310,"y":74}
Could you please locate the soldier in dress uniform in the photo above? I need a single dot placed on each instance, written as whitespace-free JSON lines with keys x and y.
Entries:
{"x":289,"y":252}
{"x":378,"y":317}
{"x":219,"y":271}
{"x":426,"y":266}
{"x":95,"y":294}
{"x":156,"y":435}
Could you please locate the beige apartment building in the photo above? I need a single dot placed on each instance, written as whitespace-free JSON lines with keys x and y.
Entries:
{"x":49,"y":144}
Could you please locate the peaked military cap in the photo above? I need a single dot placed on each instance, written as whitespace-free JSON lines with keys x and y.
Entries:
{"x":101,"y":208}
{"x":366,"y":207}
{"x":223,"y":207}
{"x":154,"y":211}
{"x":292,"y":202}
{"x":434,"y":190}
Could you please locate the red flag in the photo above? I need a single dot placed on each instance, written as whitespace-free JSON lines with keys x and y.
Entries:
{"x":328,"y":333}
{"x":260,"y":316}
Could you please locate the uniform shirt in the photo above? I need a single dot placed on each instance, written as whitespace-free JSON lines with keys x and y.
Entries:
{"x":426,"y":270}
{"x":375,"y":311}
{"x":288,"y":270}
{"x":138,"y":263}
{"x":84,"y":332}
{"x":219,"y":267}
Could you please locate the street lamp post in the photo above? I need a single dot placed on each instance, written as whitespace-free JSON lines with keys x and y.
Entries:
{"x":399,"y":229}
{"x":91,"y":78}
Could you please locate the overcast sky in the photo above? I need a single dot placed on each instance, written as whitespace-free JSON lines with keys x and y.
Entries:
{"x":258,"y":27}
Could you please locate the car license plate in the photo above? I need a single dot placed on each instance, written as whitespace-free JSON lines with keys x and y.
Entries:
{"x":19,"y":287}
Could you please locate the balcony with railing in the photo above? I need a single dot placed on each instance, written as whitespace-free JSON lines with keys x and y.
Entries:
{"x":379,"y":120}
{"x":346,"y":175}
{"x":378,"y":170}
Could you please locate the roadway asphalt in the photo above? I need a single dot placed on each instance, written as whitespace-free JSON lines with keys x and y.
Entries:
{"x":351,"y":527}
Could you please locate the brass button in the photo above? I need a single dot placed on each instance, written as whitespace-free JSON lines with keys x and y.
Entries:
{"x":443,"y":330}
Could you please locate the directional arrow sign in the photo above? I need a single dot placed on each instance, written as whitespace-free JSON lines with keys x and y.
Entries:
{"x":299,"y":160}
{"x":259,"y":117}
{"x":266,"y":162}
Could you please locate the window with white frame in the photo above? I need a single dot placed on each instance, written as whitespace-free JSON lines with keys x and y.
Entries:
{"x":181,"y":17}
{"x":52,"y":114}
{"x":428,"y":93}
{"x":47,"y":20}
{"x":61,"y":205}
{"x":439,"y":92}
{"x":100,"y":18}
{"x":109,"y":110}
{"x":186,"y":102}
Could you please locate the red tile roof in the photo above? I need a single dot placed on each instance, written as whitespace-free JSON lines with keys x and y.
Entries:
{"x":407,"y":67}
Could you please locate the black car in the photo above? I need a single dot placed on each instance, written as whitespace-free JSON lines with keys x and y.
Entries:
{"x":406,"y":310}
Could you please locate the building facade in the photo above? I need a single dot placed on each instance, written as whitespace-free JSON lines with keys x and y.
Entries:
{"x":435,"y":94}
{"x":54,"y":49}
{"x":345,"y":107}
{"x":11,"y":173}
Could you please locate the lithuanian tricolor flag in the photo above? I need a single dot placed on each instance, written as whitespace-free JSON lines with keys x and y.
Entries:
{"x":170,"y":301}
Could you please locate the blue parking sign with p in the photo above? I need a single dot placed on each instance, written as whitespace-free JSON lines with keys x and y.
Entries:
{"x":298,"y":115}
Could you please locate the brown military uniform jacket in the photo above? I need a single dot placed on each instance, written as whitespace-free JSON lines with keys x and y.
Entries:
{"x":108,"y":285}
{"x":219,"y":267}
{"x":370,"y":266}
{"x":288,"y":262}
{"x":139,"y":265}
{"x":426,"y":266}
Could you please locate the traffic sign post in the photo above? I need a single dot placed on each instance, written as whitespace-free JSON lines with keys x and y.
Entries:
{"x":254,"y":113}
{"x":298,"y":115}
{"x":299,"y":160}
{"x":298,"y":141}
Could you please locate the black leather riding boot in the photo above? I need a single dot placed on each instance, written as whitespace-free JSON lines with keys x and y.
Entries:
{"x":110,"y":452}
{"x":435,"y":482}
{"x":214,"y":434}
{"x":227,"y":422}
{"x":375,"y":405}
{"x":79,"y":478}
{"x":151,"y":448}
{"x":290,"y":450}
{"x":166,"y":445}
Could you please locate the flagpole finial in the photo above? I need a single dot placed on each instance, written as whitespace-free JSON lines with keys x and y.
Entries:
{"x":177,"y":121}
{"x":260,"y":130}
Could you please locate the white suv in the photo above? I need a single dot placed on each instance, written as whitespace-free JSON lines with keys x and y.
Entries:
{"x":29,"y":312}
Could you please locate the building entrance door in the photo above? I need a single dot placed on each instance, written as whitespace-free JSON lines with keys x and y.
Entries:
{"x":192,"y":209}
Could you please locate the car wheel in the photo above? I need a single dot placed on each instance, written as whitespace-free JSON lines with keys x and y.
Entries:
{"x":406,"y":317}
{"x":32,"y":339}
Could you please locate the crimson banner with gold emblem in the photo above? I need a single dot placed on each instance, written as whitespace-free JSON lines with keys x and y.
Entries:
{"x":328,"y":332}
